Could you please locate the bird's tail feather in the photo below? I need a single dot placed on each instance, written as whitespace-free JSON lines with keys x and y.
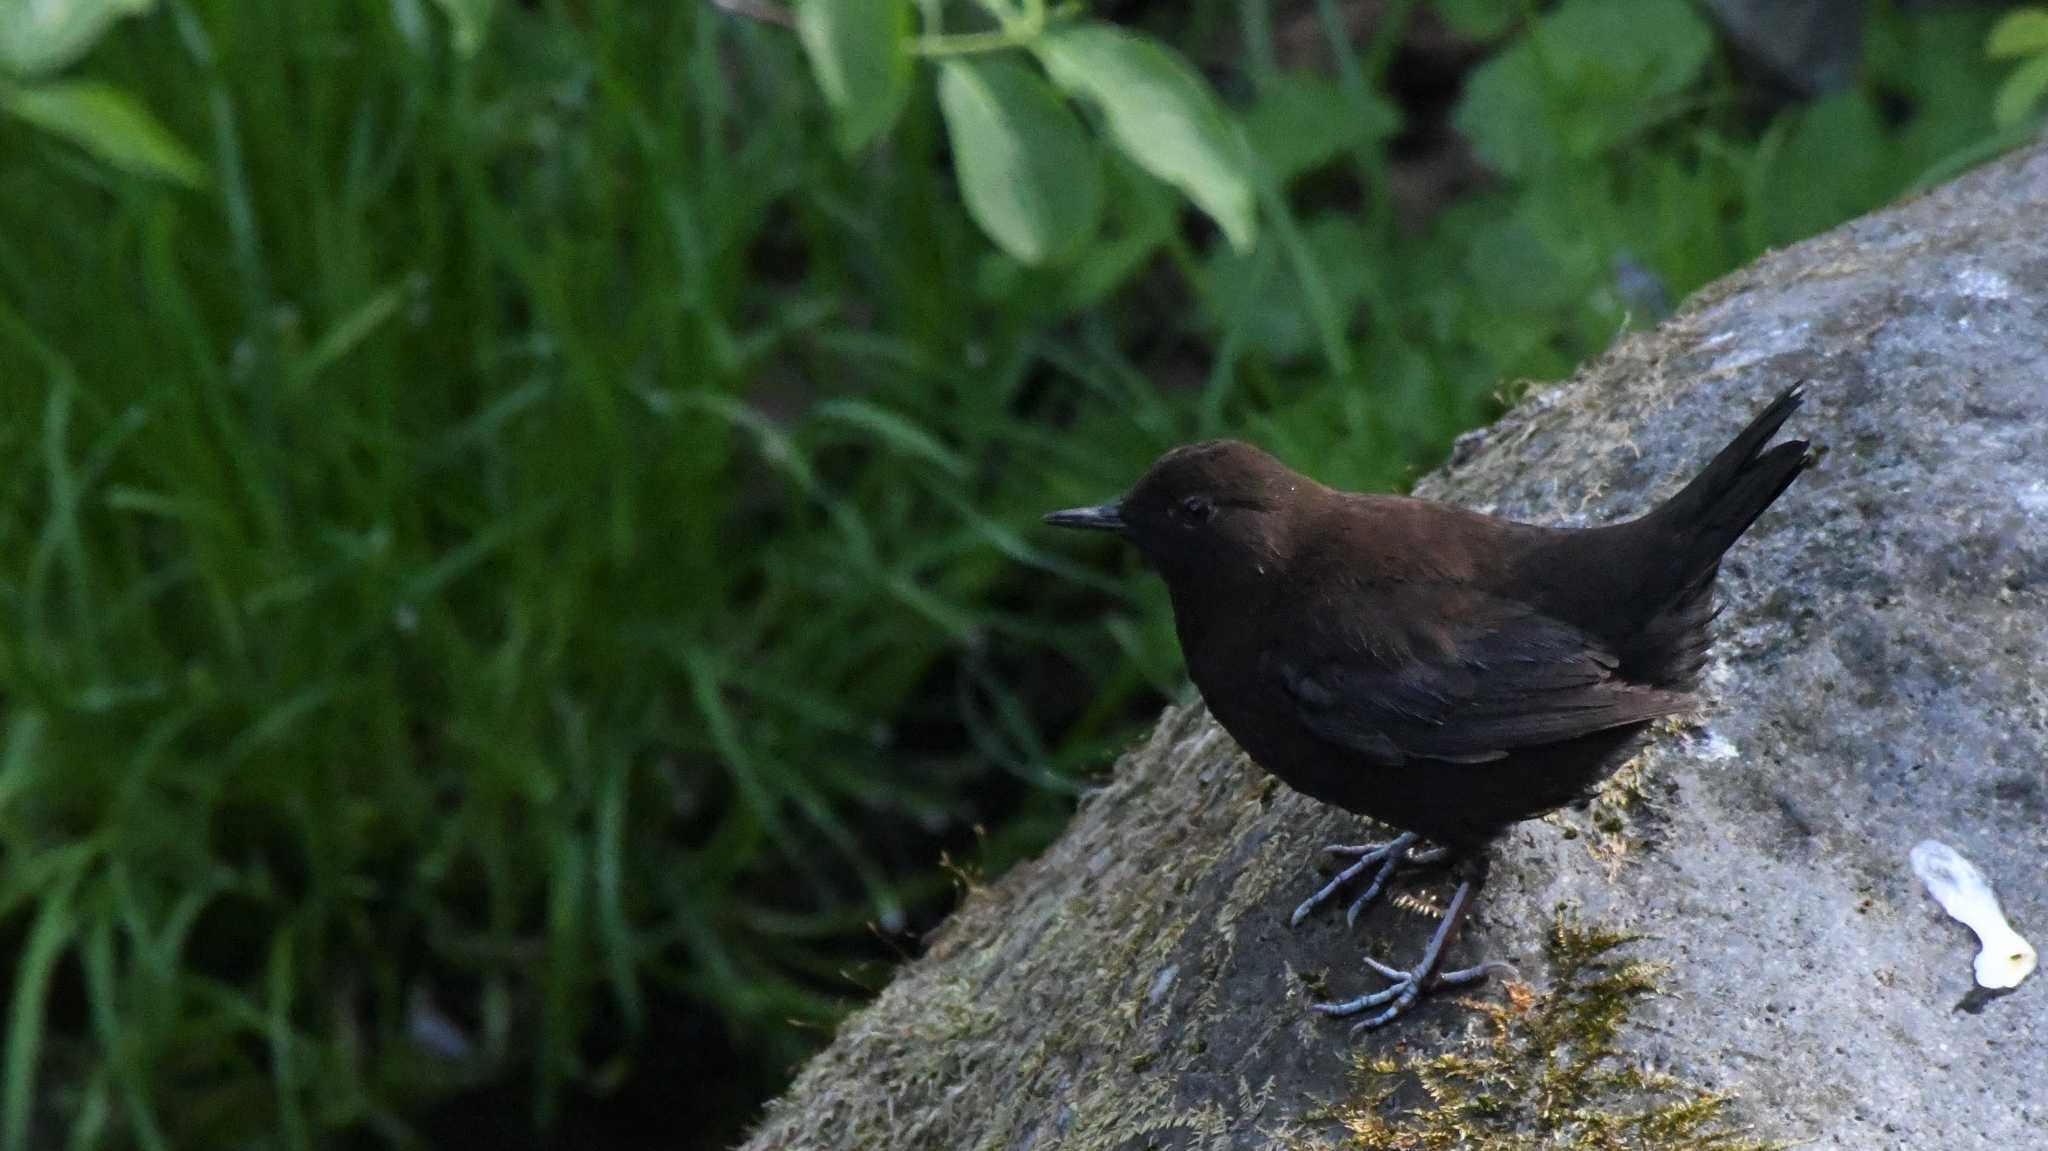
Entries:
{"x":1677,"y":548}
{"x":1713,"y":511}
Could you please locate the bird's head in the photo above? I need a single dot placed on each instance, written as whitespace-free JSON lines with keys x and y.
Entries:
{"x":1215,"y":514}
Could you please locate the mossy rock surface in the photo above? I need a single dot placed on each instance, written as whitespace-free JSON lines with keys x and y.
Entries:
{"x":1880,"y":677}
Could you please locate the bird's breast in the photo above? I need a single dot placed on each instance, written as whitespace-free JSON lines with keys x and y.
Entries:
{"x":1244,"y":692}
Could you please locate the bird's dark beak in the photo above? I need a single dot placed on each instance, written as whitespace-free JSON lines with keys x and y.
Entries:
{"x":1107,"y":518}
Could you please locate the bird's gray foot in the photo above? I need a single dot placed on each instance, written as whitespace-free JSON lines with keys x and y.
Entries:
{"x":1406,"y":988}
{"x":1382,"y":859}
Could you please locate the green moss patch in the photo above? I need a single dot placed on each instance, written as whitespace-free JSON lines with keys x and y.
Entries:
{"x":1545,"y":1070}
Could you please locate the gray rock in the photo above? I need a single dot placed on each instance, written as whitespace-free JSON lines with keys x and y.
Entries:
{"x":1881,"y":677}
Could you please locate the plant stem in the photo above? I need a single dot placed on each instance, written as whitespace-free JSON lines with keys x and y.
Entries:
{"x":765,"y":11}
{"x":969,"y":43}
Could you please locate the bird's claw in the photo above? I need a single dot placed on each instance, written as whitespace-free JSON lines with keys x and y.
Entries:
{"x":1400,"y":995}
{"x":1403,"y":991}
{"x":1405,"y":988}
{"x":1387,"y":857}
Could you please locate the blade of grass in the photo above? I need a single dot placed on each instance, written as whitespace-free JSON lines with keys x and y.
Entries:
{"x":702,"y":671}
{"x":283,"y":1040}
{"x":1308,"y":273}
{"x":561,"y":975}
{"x":55,"y":925}
{"x":347,"y":334}
{"x":116,"y":1038}
{"x":277,"y":722}
{"x":894,"y":431}
{"x":1223,"y":369}
{"x":621,"y":950}
{"x":19,"y":755}
{"x":496,"y":537}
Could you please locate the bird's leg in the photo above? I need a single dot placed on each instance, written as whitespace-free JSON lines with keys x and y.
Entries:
{"x":1407,"y":987}
{"x":1386,"y":857}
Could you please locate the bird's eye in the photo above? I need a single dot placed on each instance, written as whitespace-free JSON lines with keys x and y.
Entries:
{"x":1197,"y":509}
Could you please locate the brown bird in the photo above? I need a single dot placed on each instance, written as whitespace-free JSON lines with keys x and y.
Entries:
{"x":1443,"y":671}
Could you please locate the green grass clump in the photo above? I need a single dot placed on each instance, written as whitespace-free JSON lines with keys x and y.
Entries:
{"x":511,"y":562}
{"x":510,"y":583}
{"x":1549,"y":1072}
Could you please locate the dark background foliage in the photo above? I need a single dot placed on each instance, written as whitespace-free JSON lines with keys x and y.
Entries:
{"x":520,"y":594}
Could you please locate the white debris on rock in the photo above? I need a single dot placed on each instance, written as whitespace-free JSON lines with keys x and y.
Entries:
{"x":2003,"y":957}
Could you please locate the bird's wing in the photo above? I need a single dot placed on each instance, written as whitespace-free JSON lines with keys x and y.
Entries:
{"x":1454,"y":674}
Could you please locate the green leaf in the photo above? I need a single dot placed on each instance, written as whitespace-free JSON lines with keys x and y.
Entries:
{"x":1532,"y":258}
{"x":409,"y":19}
{"x":38,"y":37}
{"x":2020,"y":92}
{"x":1590,"y":73}
{"x":106,"y":122}
{"x":1303,"y":122}
{"x":1026,"y":169}
{"x":1478,"y":19}
{"x":1276,"y":314}
{"x":857,"y":53}
{"x":467,"y":20}
{"x":1935,"y":60}
{"x":1162,"y":116}
{"x":1139,"y":216}
{"x":1834,"y":163}
{"x":2021,"y":33}
{"x":1502,"y":113}
{"x":1140,"y":219}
